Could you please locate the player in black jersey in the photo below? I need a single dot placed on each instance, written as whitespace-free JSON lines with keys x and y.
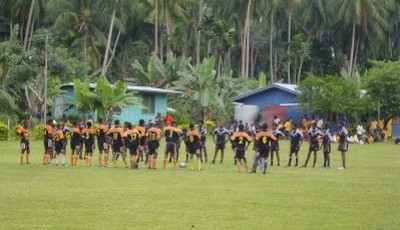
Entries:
{"x":313,"y":136}
{"x":220,"y":136}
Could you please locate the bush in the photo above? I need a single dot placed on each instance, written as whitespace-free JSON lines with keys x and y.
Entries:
{"x":73,"y":117}
{"x":4,"y":118}
{"x":183,"y":126}
{"x":4,"y":132}
{"x":210,"y":125}
{"x":13,"y":132}
{"x":180,"y":118}
{"x":38,"y":132}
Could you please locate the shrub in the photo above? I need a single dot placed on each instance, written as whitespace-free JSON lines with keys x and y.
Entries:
{"x":210,"y":125}
{"x":183,"y":126}
{"x":180,"y":118}
{"x":38,"y":132}
{"x":4,"y":132}
{"x":13,"y":132}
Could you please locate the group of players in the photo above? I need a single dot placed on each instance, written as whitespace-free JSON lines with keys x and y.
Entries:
{"x":142,"y":143}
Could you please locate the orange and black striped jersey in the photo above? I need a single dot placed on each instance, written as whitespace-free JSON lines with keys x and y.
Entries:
{"x":58,"y":135}
{"x":75,"y":133}
{"x":23,"y":133}
{"x":193,"y":136}
{"x":240,"y":139}
{"x":116,"y":133}
{"x":141,"y":130}
{"x":153,"y":134}
{"x":102,"y":131}
{"x":88,"y":134}
{"x":48,"y":132}
{"x":133,"y":135}
{"x":264,"y":138}
{"x":172,"y":134}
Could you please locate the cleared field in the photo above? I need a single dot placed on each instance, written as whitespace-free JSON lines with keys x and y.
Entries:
{"x":366,"y":196}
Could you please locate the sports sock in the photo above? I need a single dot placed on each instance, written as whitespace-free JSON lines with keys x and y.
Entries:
{"x":191,"y":166}
{"x":247,"y":167}
{"x":21,"y":158}
{"x":290,"y":161}
{"x":265,"y":166}
{"x":27,"y":159}
{"x":72,"y":160}
{"x":105,"y":159}
{"x":164,"y":163}
{"x":297,"y":162}
{"x":63,"y":159}
{"x":238,"y":166}
{"x":100,"y":161}
{"x":56,"y":159}
{"x":154,"y":164}
{"x":44,"y":159}
{"x":315,"y":161}
{"x":174,"y":160}
{"x":198,"y":165}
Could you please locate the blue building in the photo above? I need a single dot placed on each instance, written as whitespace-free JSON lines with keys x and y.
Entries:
{"x":154,"y":100}
{"x":274,"y":99}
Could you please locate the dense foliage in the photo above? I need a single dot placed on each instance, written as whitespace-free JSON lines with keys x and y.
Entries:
{"x":163,"y":44}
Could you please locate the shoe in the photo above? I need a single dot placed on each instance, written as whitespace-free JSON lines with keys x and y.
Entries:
{"x":221,"y":162}
{"x":341,"y":168}
{"x":213,"y":162}
{"x":304,"y":166}
{"x":264,"y":172}
{"x":272,"y":164}
{"x":253,"y":172}
{"x":279,"y":164}
{"x":57,"y":165}
{"x":327,"y":167}
{"x":28,"y":163}
{"x":64,"y":165}
{"x":288,"y":166}
{"x":295,"y":165}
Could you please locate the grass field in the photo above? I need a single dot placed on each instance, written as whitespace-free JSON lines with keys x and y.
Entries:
{"x":366,"y":196}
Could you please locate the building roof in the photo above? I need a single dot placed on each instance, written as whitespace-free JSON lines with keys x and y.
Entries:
{"x":146,"y":89}
{"x":290,"y":88}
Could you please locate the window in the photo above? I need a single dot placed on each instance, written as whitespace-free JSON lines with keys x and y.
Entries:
{"x":149,"y":102}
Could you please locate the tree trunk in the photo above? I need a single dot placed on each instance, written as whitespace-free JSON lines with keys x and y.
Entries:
{"x":353,"y":38}
{"x":208,"y":48}
{"x":28,"y":25}
{"x":113,"y":50}
{"x":167,"y":26}
{"x":156,"y":27}
{"x":198,"y":37}
{"x":248,"y":38}
{"x":108,"y":46}
{"x":31,"y":34}
{"x":271,"y":48}
{"x":356,"y":55}
{"x":289,"y":38}
{"x":244,"y":42}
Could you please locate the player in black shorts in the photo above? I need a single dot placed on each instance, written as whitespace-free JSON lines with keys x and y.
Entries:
{"x":275,"y":145}
{"x":313,"y":136}
{"x":343,"y":143}
{"x":220,"y":136}
{"x":203,"y":141}
{"x":153,"y":137}
{"x":76,"y":143}
{"x":193,"y":140}
{"x":242,"y":141}
{"x":296,"y":139}
{"x":118,"y":146}
{"x":132,"y":136}
{"x":184,"y":140}
{"x":23,"y":133}
{"x":172,"y":136}
{"x":326,"y":146}
{"x":262,"y":143}
{"x":88,"y":134}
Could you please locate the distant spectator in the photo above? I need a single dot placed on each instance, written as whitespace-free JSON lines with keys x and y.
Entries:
{"x":360,"y":131}
{"x":320,"y":123}
{"x":276,"y":120}
{"x":168,"y":120}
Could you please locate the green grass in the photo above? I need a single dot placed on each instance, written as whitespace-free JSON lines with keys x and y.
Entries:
{"x":366,"y":196}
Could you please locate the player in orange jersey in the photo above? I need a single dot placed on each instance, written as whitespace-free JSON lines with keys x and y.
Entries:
{"x":102,"y":142}
{"x":76,"y":143}
{"x":59,"y":142}
{"x":118,"y":146}
{"x":172,"y":137}
{"x":242,"y":141}
{"x":23,"y":133}
{"x":263,"y":145}
{"x":153,"y":137}
{"x":88,"y":134}
{"x":48,"y":141}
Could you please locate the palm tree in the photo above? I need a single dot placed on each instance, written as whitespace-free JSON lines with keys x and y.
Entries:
{"x":366,"y":18}
{"x":86,"y":17}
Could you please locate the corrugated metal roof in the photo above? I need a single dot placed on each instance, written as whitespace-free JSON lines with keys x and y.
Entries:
{"x":290,"y":88}
{"x":146,"y":89}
